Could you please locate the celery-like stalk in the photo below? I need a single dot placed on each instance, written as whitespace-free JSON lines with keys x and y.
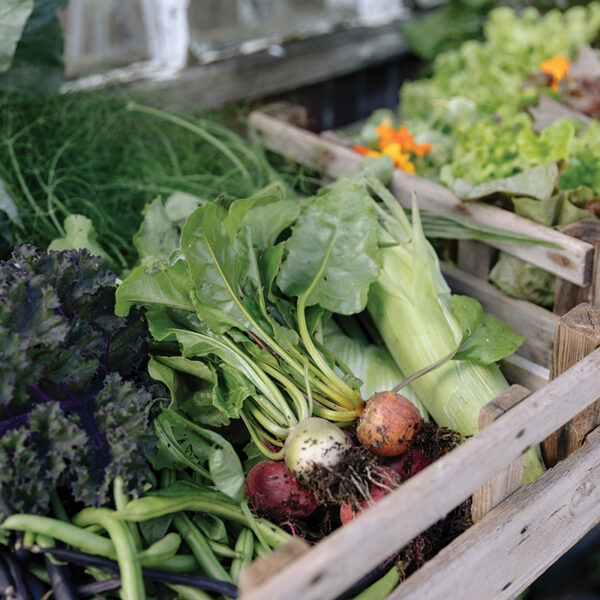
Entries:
{"x":410,"y":306}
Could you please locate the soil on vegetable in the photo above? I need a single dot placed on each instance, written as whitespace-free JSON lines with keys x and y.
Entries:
{"x":426,"y":545}
{"x":436,"y":441}
{"x":348,"y":482}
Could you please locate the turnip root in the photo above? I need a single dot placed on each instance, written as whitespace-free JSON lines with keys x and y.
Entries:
{"x":314,"y":442}
{"x":388,"y":424}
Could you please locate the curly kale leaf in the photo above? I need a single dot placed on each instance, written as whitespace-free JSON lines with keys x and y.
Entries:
{"x":74,"y":389}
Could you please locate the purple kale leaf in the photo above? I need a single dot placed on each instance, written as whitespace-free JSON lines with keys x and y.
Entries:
{"x":74,"y":389}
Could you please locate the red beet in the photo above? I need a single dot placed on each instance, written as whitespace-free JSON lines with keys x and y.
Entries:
{"x":409,"y":463}
{"x":388,"y":479}
{"x":274,"y":493}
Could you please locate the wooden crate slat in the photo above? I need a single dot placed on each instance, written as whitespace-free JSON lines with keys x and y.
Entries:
{"x":500,"y":556}
{"x":494,"y":491}
{"x":577,"y":334}
{"x":519,"y":370}
{"x":356,"y":548}
{"x":524,"y":534}
{"x":572,"y":263}
{"x":533,"y":322}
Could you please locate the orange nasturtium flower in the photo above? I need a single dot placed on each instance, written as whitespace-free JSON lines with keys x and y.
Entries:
{"x":558,"y":67}
{"x":397,"y":144}
{"x":365,"y":151}
{"x":401,"y":159}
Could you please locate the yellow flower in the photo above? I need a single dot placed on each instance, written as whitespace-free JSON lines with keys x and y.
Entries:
{"x":558,"y":67}
{"x":401,"y":159}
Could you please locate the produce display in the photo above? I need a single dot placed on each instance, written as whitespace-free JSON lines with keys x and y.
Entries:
{"x":205,"y":354}
{"x":511,"y":119}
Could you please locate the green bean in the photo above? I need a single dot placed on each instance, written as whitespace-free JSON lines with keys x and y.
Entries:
{"x":245,"y":546}
{"x":180,"y":563}
{"x":189,"y":593}
{"x":29,"y":539}
{"x":163,"y":549}
{"x":167,"y":477}
{"x":200,"y":548}
{"x":121,"y":501}
{"x":261,"y":550}
{"x":129,"y":565}
{"x":153,"y":506}
{"x":39,"y":571}
{"x":382,"y":588}
{"x":222,"y":550}
{"x":64,"y":532}
{"x":58,"y":508}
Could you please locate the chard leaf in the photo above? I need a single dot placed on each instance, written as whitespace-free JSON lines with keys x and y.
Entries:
{"x":226,"y":471}
{"x":180,"y":445}
{"x":191,"y":395}
{"x":8,"y":206}
{"x":486,"y":339}
{"x":164,"y":285}
{"x":237,"y":388}
{"x":222,"y":265}
{"x":253,"y":456}
{"x":13,"y":16}
{"x":179,"y":206}
{"x":157,"y":236}
{"x":79,"y":233}
{"x":238,"y":374}
{"x":267,"y":221}
{"x":332,"y":253}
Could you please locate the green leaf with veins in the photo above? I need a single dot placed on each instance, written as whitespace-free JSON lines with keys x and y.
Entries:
{"x":222,"y":266}
{"x":13,"y":16}
{"x":165,"y":285}
{"x":333,"y":246}
{"x":486,"y":339}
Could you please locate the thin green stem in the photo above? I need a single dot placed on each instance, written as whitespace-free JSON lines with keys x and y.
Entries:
{"x":256,"y":438}
{"x":302,"y":408}
{"x":350,"y":395}
{"x":195,"y":129}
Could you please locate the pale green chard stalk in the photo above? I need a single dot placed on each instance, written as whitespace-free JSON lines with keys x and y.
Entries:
{"x":410,"y":305}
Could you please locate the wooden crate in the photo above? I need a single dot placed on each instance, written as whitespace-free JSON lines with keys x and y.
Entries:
{"x":519,"y":530}
{"x":575,"y":265}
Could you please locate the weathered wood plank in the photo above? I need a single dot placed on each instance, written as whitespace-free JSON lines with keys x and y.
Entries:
{"x":303,"y":62}
{"x":491,"y":493}
{"x":475,"y":258}
{"x":568,"y":295}
{"x":516,"y":542}
{"x":572,"y":263}
{"x":577,"y":334}
{"x":521,"y":371}
{"x":533,"y":322}
{"x":329,"y":567}
{"x":259,"y":570}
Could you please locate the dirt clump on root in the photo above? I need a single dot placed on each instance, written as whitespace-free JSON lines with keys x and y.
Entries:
{"x":435,"y":442}
{"x":346,"y":483}
{"x":426,"y":545}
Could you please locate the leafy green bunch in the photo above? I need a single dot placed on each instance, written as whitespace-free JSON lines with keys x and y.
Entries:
{"x":73,"y":399}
